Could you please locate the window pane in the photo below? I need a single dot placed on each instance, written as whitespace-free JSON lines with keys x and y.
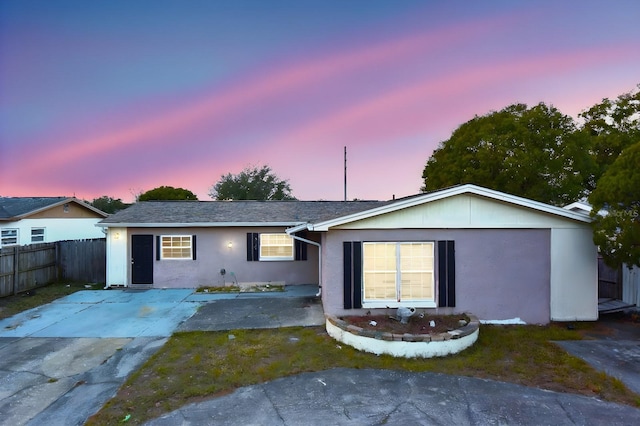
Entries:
{"x":176,"y":246}
{"x":398,"y":272}
{"x":9,"y":236}
{"x":37,"y":235}
{"x":276,"y":247}
{"x":417,"y":286}
{"x":379,"y":267}
{"x":380,"y":286}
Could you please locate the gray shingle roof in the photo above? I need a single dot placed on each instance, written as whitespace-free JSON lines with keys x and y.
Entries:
{"x":11,"y":207}
{"x":236,"y":212}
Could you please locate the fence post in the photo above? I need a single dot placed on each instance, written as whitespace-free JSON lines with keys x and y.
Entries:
{"x":16,"y":264}
{"x":58,"y":267}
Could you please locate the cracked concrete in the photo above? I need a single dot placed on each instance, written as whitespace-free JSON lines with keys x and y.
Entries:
{"x":63,"y":381}
{"x":376,"y":397}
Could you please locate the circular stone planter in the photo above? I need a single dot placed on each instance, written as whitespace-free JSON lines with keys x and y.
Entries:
{"x":404,"y":345}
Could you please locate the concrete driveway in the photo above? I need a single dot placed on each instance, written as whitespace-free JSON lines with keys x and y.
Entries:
{"x":614,"y":349}
{"x":60,"y":362}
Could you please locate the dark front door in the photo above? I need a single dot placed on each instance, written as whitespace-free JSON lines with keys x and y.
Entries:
{"x":142,"y":259}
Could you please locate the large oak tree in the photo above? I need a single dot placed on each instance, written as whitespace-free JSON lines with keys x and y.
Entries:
{"x":531,"y":152}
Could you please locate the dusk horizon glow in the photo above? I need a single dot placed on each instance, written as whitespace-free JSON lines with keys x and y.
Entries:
{"x":116,"y":98}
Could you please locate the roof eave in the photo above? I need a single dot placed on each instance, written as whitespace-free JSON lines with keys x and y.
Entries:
{"x":59,"y":203}
{"x":196,"y":224}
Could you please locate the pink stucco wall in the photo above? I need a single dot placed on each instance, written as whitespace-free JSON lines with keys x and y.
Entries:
{"x":500,"y":273}
{"x":213,"y":254}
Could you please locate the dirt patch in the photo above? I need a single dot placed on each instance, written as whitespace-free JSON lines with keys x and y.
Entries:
{"x":427,"y":324}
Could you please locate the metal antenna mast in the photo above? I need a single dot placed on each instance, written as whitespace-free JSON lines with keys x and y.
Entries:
{"x":345,"y":173}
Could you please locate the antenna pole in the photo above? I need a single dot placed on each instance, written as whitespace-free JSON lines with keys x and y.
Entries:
{"x":345,"y":173}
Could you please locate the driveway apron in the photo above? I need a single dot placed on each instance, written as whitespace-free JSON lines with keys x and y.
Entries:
{"x":60,"y":362}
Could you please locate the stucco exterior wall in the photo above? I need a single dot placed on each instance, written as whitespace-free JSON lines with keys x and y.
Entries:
{"x":214,"y":254}
{"x":500,"y":273}
{"x":574,"y":275}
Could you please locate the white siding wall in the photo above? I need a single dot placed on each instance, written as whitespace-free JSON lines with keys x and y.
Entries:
{"x":117,"y":258}
{"x":464,"y":211}
{"x":57,"y":229}
{"x":574,"y":275}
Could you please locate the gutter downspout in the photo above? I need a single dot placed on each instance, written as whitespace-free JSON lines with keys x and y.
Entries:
{"x":304,"y":240}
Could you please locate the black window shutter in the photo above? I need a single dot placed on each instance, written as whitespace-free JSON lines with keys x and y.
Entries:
{"x":158,"y":247}
{"x":348,"y":271}
{"x":446,"y":274}
{"x":352,"y":281}
{"x":300,"y":249}
{"x":357,"y":274}
{"x":253,"y":246}
{"x":193,"y":247}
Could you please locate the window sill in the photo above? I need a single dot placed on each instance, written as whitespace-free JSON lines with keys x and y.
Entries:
{"x":394,"y":304}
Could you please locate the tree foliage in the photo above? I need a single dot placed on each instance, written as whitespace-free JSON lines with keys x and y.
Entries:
{"x":252,"y":183}
{"x":167,"y":193}
{"x":108,"y":204}
{"x":612,"y":126}
{"x":616,"y":209}
{"x":531,"y":152}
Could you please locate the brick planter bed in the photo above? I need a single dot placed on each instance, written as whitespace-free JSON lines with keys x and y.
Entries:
{"x":404,"y":345}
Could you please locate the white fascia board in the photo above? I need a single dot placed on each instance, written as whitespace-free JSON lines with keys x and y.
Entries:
{"x":197,"y":225}
{"x":302,"y":227}
{"x":450,"y":192}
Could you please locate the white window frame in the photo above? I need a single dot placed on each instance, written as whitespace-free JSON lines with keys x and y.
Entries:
{"x":281,"y":240}
{"x":397,"y":301}
{"x":9,"y":236}
{"x":168,"y":241}
{"x":39,"y":236}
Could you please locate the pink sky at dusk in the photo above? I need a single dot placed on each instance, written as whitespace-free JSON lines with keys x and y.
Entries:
{"x":116,"y":98}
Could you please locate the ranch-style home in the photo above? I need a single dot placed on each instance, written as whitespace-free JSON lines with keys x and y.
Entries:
{"x":461,"y":249}
{"x":32,"y":220}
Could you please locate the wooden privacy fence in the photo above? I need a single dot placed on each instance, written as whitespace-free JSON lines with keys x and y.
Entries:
{"x":23,"y":268}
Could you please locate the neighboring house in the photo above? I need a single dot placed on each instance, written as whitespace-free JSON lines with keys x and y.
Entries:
{"x":30,"y":220}
{"x":461,"y":249}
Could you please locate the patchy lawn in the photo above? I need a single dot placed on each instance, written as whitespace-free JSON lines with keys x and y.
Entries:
{"x":12,"y":305}
{"x":193,"y":366}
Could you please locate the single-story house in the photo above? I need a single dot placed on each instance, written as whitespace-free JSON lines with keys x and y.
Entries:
{"x":461,"y":249}
{"x":30,"y":220}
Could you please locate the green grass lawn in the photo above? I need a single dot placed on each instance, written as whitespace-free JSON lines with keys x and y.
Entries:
{"x":197,"y":365}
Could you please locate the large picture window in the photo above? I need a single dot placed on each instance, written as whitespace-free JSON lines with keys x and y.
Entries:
{"x":276,"y":247}
{"x":176,"y":247}
{"x":396,"y":273}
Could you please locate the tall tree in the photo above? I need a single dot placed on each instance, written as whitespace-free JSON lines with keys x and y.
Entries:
{"x":531,"y":152}
{"x":108,"y":204}
{"x":252,"y":183}
{"x":616,"y":209}
{"x":612,"y":127}
{"x":167,"y":193}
